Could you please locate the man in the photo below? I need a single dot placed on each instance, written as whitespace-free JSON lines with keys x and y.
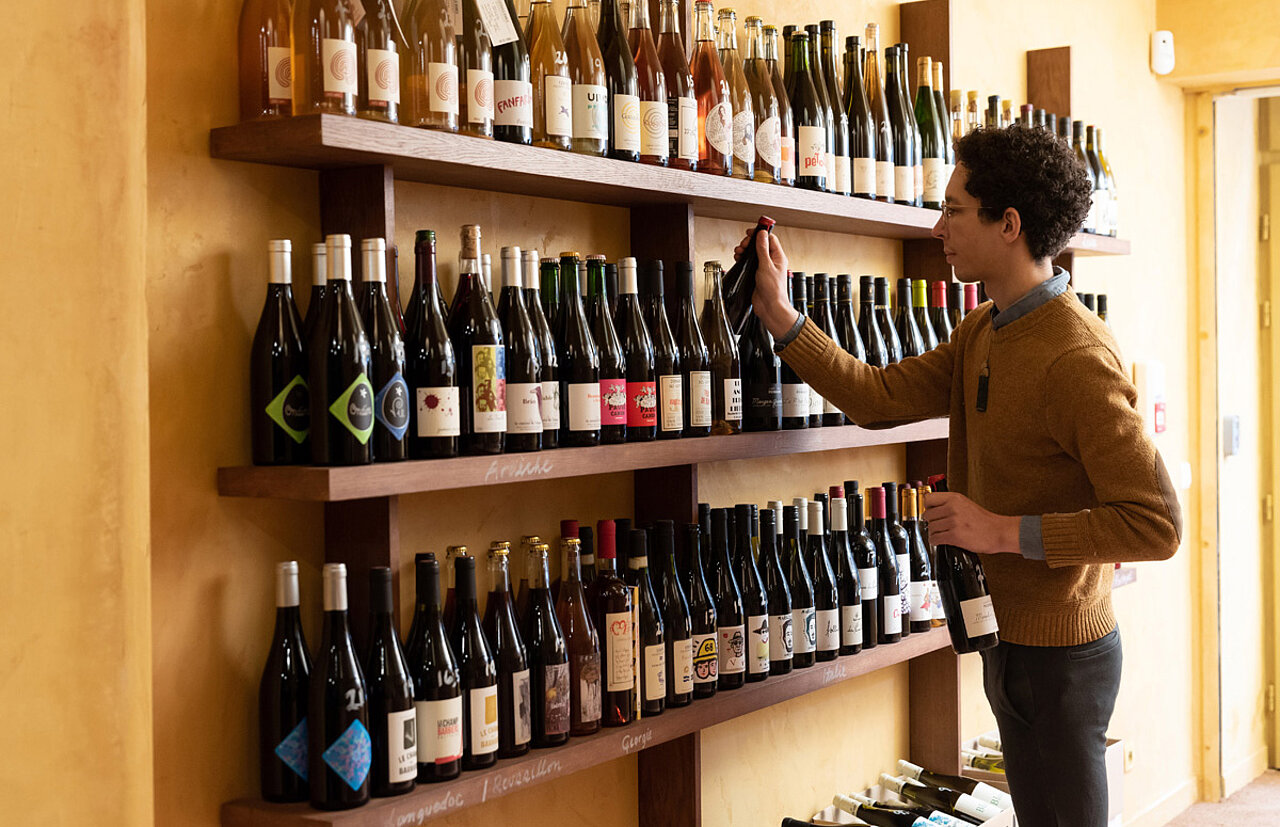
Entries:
{"x":1053,"y":477}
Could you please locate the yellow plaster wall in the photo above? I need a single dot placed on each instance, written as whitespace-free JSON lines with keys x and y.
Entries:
{"x":1231,"y":42}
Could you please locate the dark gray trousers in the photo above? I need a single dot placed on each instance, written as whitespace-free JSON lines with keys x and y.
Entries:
{"x":1052,"y":705}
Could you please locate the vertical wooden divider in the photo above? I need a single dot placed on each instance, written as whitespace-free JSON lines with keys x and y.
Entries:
{"x":1049,"y":88}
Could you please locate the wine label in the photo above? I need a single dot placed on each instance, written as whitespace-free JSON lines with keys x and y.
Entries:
{"x":550,"y":402}
{"x":479,"y":96}
{"x":687,"y":126}
{"x":497,"y":21}
{"x":589,"y":686}
{"x":811,"y":152}
{"x":642,"y":404}
{"x":788,"y":158}
{"x":555,"y":702}
{"x":904,"y":183}
{"x":279,"y":75}
{"x":758,"y":644}
{"x":700,"y":398}
{"x":391,"y":406}
{"x":979,"y":616}
{"x":891,"y":618}
{"x":795,"y":400}
{"x":655,"y":672}
{"x":384,"y":78}
{"x":869,"y":583}
{"x":763,"y":400}
{"x":733,"y":399}
{"x":769,"y":141}
{"x":815,"y":403}
{"x":921,"y":607}
{"x":935,"y":600}
{"x":733,"y":649}
{"x":681,"y":666}
{"x":557,"y":94}
{"x":829,"y":407}
{"x":291,"y":409}
{"x":705,"y":659}
{"x":354,"y":408}
{"x":934,"y":179}
{"x":990,"y":795}
{"x":488,"y":389}
{"x":654,"y":140}
{"x":292,"y":751}
{"x":618,"y":662}
{"x":884,"y":180}
{"x":864,"y":176}
{"x":626,"y":123}
{"x":851,"y":625}
{"x":522,"y":723}
{"x":484,"y":719}
{"x":904,"y":584}
{"x":780,"y":642}
{"x":584,"y":406}
{"x":744,"y":136}
{"x":351,"y":755}
{"x":339,"y":70}
{"x":442,"y":88}
{"x":828,"y":630}
{"x":718,"y":128}
{"x":671,"y":401}
{"x":844,"y":175}
{"x":525,"y":408}
{"x":804,"y":622}
{"x":918,"y":178}
{"x":438,"y":410}
{"x":402,"y":746}
{"x":830,"y":167}
{"x":1091,"y":219}
{"x":967,"y":805}
{"x":440,"y":728}
{"x":513,"y":103}
{"x":613,"y":402}
{"x":938,"y":817}
{"x":590,"y":111}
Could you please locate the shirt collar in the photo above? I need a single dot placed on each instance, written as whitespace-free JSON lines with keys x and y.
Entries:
{"x":1035,"y":298}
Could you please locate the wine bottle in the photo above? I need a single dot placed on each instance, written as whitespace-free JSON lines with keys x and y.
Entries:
{"x":762,"y":378}
{"x":715,"y":107}
{"x":917,"y":144}
{"x":778,"y":595}
{"x":765,"y":107}
{"x":1078,"y":144}
{"x":890,"y":607}
{"x":511,"y":659}
{"x":804,"y":285}
{"x":512,"y":74}
{"x":972,"y":786}
{"x":822,"y":285}
{"x":981,"y":761}
{"x":666,"y":354}
{"x":943,"y":798}
{"x":676,"y":620}
{"x":804,"y":629}
{"x":904,"y":170}
{"x":525,"y":563}
{"x":475,"y":73}
{"x":437,"y":689}
{"x":755,"y":601}
{"x":548,"y":658}
{"x":901,"y":545}
{"x":477,"y":671}
{"x":822,"y":497}
{"x":862,"y":128}
{"x":265,"y":83}
{"x":730,"y":616}
{"x":744,"y":130}
{"x":847,"y":584}
{"x":451,"y":555}
{"x":315,"y":302}
{"x":431,"y":66}
{"x":549,"y":361}
{"x":387,"y":354}
{"x":740,"y":281}
{"x":586,"y":535}
{"x":278,"y":371}
{"x":824,"y":97}
{"x":610,"y":600}
{"x":682,"y":99}
{"x":939,"y":316}
{"x":971,"y":299}
{"x":622,"y":82}
{"x":883,"y":816}
{"x":430,"y":361}
{"x":809,"y":116}
{"x":841,"y":125}
{"x":339,"y":367}
{"x":920,"y":311}
{"x":590,"y":91}
{"x":552,"y":87}
{"x":613,"y":366}
{"x":702,"y":617}
{"x":921,"y":589}
{"x":937,"y":614}
{"x":1104,"y":210}
{"x":795,"y":391}
{"x":787,"y":129}
{"x":1113,"y":201}
{"x":877,"y":353}
{"x":885,"y":145}
{"x":480,"y":351}
{"x":971,"y":618}
{"x":378,"y":49}
{"x":283,"y":694}
{"x":694,"y":359}
{"x":579,"y":364}
{"x":638,"y":354}
{"x":955,"y":304}
{"x":863,"y":552}
{"x":393,"y":723}
{"x":904,"y":322}
{"x":323,"y":62}
{"x":339,"y":750}
{"x":947,"y":123}
{"x":933,"y":136}
{"x":825,"y":598}
{"x":524,"y":369}
{"x":884,"y":321}
{"x":582,"y":643}
{"x":846,"y":321}
{"x":651,"y":635}
{"x":654,"y":117}
{"x":726,"y":368}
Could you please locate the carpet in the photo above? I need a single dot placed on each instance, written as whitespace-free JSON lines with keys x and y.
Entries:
{"x":1257,"y":804}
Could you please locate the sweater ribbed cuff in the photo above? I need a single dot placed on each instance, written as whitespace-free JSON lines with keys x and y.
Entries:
{"x":808,"y":347}
{"x":1063,"y":545}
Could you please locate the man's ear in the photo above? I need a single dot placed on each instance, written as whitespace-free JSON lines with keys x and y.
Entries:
{"x":1010,"y":225}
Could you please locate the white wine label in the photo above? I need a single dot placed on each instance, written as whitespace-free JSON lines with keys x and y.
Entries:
{"x":479,"y":96}
{"x":917,"y":179}
{"x":811,"y":152}
{"x":934,"y":180}
{"x":339,"y":70}
{"x":550,"y":402}
{"x":391,"y":406}
{"x":979,"y":616}
{"x":279,"y":75}
{"x":844,"y":175}
{"x":830,"y":168}
{"x":733,"y":399}
{"x":904,"y":183}
{"x":804,"y":630}
{"x":351,"y":755}
{"x":440,"y":730}
{"x":869,"y":583}
{"x":851,"y":625}
{"x":719,"y":128}
{"x":828,"y":630}
{"x":816,"y":403}
{"x":705,"y":659}
{"x":384,"y":78}
{"x":744,"y":136}
{"x":513,"y":103}
{"x":590,"y":111}
{"x":892,"y":614}
{"x":884,"y":180}
{"x":733,"y":649}
{"x":989,"y":794}
{"x":354,"y":409}
{"x":626,"y":123}
{"x":557,"y":93}
{"x":967,"y":805}
{"x":589,"y":686}
{"x":619,"y":664}
{"x":438,"y":410}
{"x":402,"y":746}
{"x":780,"y":642}
{"x":864,"y":176}
{"x":700,"y":398}
{"x":758,"y":644}
{"x":671,"y":402}
{"x":829,"y":407}
{"x":484,"y":719}
{"x":488,"y":389}
{"x":921,"y":608}
{"x":789,"y":158}
{"x":769,"y":142}
{"x":497,"y":21}
{"x":655,"y":672}
{"x":654,"y":140}
{"x":584,"y":406}
{"x":795,"y":400}
{"x":555,"y":715}
{"x":681,"y":666}
{"x":904,"y":585}
{"x":935,"y":600}
{"x":687,"y":126}
{"x":521,"y":712}
{"x":524,"y":404}
{"x":442,"y":88}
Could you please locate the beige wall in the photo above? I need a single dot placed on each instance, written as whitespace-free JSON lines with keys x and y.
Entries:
{"x":1223,"y":43}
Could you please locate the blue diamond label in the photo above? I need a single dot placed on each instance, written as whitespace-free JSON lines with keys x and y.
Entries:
{"x":293,"y":749}
{"x":351,"y":755}
{"x":392,"y":406}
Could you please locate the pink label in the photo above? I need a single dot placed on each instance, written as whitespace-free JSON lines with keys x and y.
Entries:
{"x":613,"y":402}
{"x":642,"y":404}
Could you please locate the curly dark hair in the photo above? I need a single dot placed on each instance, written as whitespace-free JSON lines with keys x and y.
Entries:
{"x":1034,"y":172}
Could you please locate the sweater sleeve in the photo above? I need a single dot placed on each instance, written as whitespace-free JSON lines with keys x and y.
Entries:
{"x":1090,"y":410}
{"x":913,"y":389}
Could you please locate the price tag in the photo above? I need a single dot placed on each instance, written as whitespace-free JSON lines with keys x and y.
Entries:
{"x":497,"y":21}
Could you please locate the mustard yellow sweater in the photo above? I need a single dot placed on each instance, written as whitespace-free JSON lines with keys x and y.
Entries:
{"x":1060,"y":438}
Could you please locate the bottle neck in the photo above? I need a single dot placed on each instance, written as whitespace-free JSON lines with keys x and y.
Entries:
{"x":702,"y":24}
{"x":728,"y":31}
{"x":670,"y":21}
{"x":771,"y":46}
{"x":873,"y":56}
{"x":918,"y":296}
{"x":755,"y":42}
{"x":859,"y":519}
{"x":799,"y":54}
{"x":924,"y":75}
{"x":511,"y":275}
{"x":639,"y":12}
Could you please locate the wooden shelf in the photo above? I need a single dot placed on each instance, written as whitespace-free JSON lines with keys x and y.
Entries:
{"x":430,"y":801}
{"x":326,"y":142}
{"x":300,"y":482}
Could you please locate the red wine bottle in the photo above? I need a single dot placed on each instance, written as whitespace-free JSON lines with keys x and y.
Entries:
{"x":847,"y":586}
{"x":387,"y":354}
{"x":638,"y":353}
{"x":778,"y":595}
{"x":955,"y":303}
{"x":434,"y":423}
{"x":904,"y":322}
{"x":437,"y":688}
{"x":610,"y":600}
{"x":666,"y":354}
{"x":393,"y":722}
{"x":890,"y":607}
{"x":549,"y":359}
{"x":651,"y":634}
{"x":884,"y":321}
{"x":740,"y":281}
{"x":730,"y":617}
{"x":832,"y":416}
{"x":703,"y":620}
{"x":339,"y":750}
{"x":477,"y":672}
{"x":795,"y":391}
{"x":502,"y":631}
{"x":480,"y":351}
{"x":613,"y":367}
{"x":278,"y":371}
{"x":579,"y":363}
{"x":319,"y":279}
{"x":804,"y":619}
{"x":864,"y":555}
{"x":755,"y":601}
{"x":761,"y":378}
{"x":826,"y":599}
{"x":938,"y":313}
{"x":971,"y":619}
{"x":548,"y":659}
{"x":524,"y":367}
{"x":695,"y":363}
{"x":512,"y":76}
{"x":901,"y":549}
{"x":283,"y":695}
{"x":868,"y":327}
{"x":846,"y":321}
{"x":676,"y":622}
{"x":583,"y":645}
{"x":339,"y":368}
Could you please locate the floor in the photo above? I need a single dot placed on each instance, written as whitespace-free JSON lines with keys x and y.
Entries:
{"x":1256,"y":804}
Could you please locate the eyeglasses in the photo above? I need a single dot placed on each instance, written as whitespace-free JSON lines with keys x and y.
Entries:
{"x":949,"y":210}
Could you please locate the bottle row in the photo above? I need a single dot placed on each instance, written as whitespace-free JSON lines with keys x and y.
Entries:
{"x":761,"y":592}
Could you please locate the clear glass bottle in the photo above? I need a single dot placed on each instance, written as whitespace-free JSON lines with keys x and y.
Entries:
{"x":744,"y":131}
{"x":324,"y":62}
{"x":552,"y":89}
{"x":590,"y":92}
{"x":430,"y":67}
